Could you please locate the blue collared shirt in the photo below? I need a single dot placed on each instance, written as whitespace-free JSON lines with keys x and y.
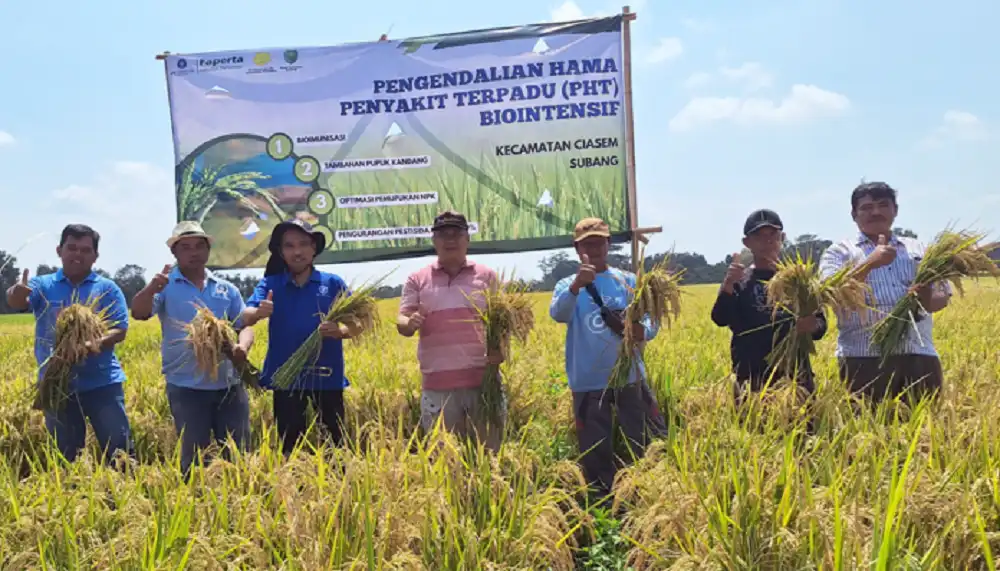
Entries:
{"x":888,"y":285}
{"x":49,"y":295}
{"x":298,"y":311}
{"x":176,"y":306}
{"x":591,"y":346}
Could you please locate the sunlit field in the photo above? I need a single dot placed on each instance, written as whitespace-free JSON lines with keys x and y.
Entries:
{"x":894,"y":489}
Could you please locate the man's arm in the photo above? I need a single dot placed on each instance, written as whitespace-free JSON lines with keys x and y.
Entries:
{"x":117,"y":316}
{"x":259,"y":306}
{"x":563,"y":302}
{"x":409,"y":319}
{"x":833,"y":259}
{"x":724,"y":311}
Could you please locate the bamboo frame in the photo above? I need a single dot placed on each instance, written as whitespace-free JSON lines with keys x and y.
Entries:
{"x":638,"y":234}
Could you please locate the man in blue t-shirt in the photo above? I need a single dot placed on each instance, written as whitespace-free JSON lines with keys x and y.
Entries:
{"x":295,"y":296}
{"x":205,"y":407}
{"x":95,"y":391}
{"x":591,"y":305}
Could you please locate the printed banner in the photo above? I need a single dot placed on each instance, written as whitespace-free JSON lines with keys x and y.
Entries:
{"x":521,"y":129}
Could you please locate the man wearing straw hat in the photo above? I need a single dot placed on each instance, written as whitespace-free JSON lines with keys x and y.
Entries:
{"x":294,"y":296}
{"x":590,"y":304}
{"x":888,"y":264}
{"x":205,"y":407}
{"x":437,"y":303}
{"x":95,"y":391}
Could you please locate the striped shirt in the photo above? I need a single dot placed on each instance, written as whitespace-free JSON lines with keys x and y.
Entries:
{"x":451,"y":350}
{"x":888,"y":285}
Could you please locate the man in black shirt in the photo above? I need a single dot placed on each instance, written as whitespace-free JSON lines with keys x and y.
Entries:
{"x":742,"y":305}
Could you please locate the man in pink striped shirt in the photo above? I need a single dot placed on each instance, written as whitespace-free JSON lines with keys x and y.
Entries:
{"x":437,"y":301}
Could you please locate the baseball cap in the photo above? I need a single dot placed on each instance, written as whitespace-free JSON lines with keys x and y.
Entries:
{"x":450,"y":219}
{"x":187,"y":229}
{"x":591,"y":227}
{"x":762,"y":219}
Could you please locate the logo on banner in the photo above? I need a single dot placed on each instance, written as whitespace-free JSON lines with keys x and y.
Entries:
{"x":262,"y":58}
{"x":291,"y":56}
{"x":182,"y":63}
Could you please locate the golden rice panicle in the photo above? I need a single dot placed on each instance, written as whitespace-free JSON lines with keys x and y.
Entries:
{"x":210,"y":338}
{"x":79,"y":326}
{"x":656,"y":295}
{"x":358,"y":309}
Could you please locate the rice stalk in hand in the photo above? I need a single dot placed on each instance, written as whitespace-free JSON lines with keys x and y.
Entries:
{"x":213,"y":339}
{"x":657,"y":297}
{"x":79,"y":327}
{"x":359,"y":309}
{"x":795,"y":291}
{"x":952,"y":257}
{"x":505,"y":312}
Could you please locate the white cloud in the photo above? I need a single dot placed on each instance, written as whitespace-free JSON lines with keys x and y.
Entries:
{"x":6,"y":139}
{"x":666,"y":50}
{"x":568,"y":10}
{"x":751,"y":76}
{"x":956,"y":127}
{"x":131,"y":204}
{"x":804,"y":104}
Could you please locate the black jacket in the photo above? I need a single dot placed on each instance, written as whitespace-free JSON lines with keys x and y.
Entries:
{"x":746,"y":312}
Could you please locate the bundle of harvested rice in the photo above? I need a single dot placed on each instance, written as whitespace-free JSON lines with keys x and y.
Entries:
{"x":797,"y":289}
{"x":505,"y":312}
{"x":359,"y":309}
{"x":79,"y":328}
{"x":951,"y":257}
{"x":656,"y":296}
{"x":213,"y":339}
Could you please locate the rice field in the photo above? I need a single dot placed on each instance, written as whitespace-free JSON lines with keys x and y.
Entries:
{"x":895,"y":489}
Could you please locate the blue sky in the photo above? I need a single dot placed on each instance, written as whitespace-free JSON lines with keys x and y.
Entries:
{"x":738,"y":105}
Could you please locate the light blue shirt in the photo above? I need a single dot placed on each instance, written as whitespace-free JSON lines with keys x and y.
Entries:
{"x":49,"y":295}
{"x":592,"y":347}
{"x":176,"y":306}
{"x":888,"y":285}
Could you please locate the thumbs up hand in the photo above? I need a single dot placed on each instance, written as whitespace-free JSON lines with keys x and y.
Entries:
{"x":266,"y":307}
{"x":883,"y":255}
{"x":734,"y":274}
{"x":161,"y":279}
{"x":21,"y":288}
{"x":586,"y":274}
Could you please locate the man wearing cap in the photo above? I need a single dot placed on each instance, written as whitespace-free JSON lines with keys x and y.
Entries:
{"x":743,"y":307}
{"x":437,"y":301}
{"x":294,"y":296}
{"x":95,"y":391}
{"x":888,"y":264}
{"x":591,"y":304}
{"x":205,"y":407}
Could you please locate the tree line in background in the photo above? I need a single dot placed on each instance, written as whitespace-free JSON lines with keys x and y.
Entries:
{"x":131,"y":277}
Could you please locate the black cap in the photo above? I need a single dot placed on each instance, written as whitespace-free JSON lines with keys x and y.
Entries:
{"x":275,"y":265}
{"x":450,"y":219}
{"x":761,"y":219}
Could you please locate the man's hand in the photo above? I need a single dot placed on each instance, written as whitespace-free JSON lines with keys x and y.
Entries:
{"x":93,"y":348}
{"x":585,"y":275}
{"x":266,"y":307}
{"x":160,"y":280}
{"x":21,"y":288}
{"x":239,"y":356}
{"x":416,"y":320}
{"x":806,"y":325}
{"x":883,"y":255}
{"x":332,"y":330}
{"x":495,"y":357}
{"x":638,"y":333}
{"x":734,"y":274}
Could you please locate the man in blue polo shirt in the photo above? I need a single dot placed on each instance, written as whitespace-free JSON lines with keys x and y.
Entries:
{"x":294,"y":295}
{"x":203,"y":407}
{"x":96,"y":385}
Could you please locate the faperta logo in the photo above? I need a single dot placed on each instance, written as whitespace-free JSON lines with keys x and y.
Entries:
{"x":224,"y":62}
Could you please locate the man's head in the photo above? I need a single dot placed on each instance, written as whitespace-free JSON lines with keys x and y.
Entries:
{"x":190,"y":246}
{"x":764,"y":234}
{"x":874,"y":208}
{"x":592,"y":238}
{"x":77,"y":249}
{"x":296,"y":244}
{"x":450,"y":235}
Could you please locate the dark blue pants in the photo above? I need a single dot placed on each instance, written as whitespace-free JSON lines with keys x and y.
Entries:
{"x":203,"y":415}
{"x":104,"y":407}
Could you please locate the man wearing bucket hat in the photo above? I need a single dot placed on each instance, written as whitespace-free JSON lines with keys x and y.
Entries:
{"x":437,"y":303}
{"x":293,"y":296}
{"x":591,"y":303}
{"x":205,"y":407}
